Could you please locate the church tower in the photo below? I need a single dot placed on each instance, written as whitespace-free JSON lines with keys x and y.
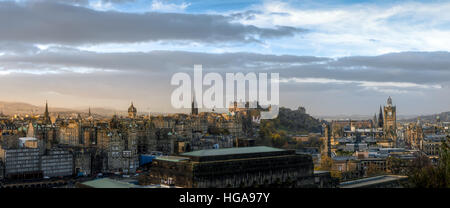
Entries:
{"x":390,"y":121}
{"x":132,"y":112}
{"x":194,"y":108}
{"x":380,"y":118}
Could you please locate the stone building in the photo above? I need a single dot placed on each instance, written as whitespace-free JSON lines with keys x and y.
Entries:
{"x":57,"y":163}
{"x":413,"y":135}
{"x":83,"y":164}
{"x":122,"y":152}
{"x":69,"y":134}
{"x":21,"y":163}
{"x":234,"y":167}
{"x":431,"y":144}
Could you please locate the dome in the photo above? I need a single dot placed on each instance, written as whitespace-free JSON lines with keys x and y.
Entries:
{"x":132,"y":112}
{"x":132,"y":108}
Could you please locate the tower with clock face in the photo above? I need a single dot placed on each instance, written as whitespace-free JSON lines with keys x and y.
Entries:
{"x":390,"y":121}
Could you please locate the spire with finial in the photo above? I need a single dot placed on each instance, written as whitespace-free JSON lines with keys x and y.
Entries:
{"x":46,"y":109}
{"x":89,"y":113}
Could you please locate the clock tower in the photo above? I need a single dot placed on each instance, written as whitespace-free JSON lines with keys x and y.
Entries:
{"x":390,"y":121}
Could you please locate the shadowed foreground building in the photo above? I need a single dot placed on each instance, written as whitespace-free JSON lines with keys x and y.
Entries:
{"x":234,"y":167}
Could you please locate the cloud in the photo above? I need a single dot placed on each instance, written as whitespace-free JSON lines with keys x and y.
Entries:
{"x":408,"y":60}
{"x":154,"y":61}
{"x":428,"y":70}
{"x":118,"y":1}
{"x":406,"y":67}
{"x":350,"y":29}
{"x":17,"y":48}
{"x":158,"y":5}
{"x":113,"y":79}
{"x":385,"y":87}
{"x":72,"y":2}
{"x":50,"y":23}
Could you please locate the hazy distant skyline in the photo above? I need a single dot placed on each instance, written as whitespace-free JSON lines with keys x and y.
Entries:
{"x":333,"y":57}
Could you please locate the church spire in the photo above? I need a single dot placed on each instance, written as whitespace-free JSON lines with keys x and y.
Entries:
{"x":46,"y":113}
{"x":380,"y":118}
{"x":194,"y":109}
{"x":46,"y":109}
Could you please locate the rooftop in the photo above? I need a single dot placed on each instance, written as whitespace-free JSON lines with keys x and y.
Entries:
{"x":108,"y":183}
{"x":366,"y":182}
{"x":27,"y":139}
{"x":171,"y":158}
{"x":232,"y":151}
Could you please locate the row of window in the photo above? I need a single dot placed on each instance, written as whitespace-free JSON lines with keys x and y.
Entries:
{"x":22,"y":162}
{"x":12,"y":167}
{"x":12,"y":151}
{"x":19,"y":170}
{"x":9,"y":155}
{"x":57,"y":164}
{"x":59,"y":167}
{"x":23,"y":158}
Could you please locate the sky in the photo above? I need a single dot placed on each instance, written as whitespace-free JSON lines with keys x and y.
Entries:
{"x":333,"y":57}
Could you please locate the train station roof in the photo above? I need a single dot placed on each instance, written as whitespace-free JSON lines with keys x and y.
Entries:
{"x":232,"y":151}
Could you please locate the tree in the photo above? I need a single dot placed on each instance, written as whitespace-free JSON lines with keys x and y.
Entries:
{"x":396,"y":165}
{"x":373,"y":170}
{"x":326,"y":163}
{"x":434,"y":176}
{"x":143,"y":180}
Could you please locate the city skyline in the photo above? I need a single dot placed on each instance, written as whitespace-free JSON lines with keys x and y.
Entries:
{"x":333,"y":57}
{"x":25,"y":109}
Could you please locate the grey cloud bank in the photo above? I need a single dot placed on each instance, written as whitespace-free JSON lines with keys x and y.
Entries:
{"x":54,"y":23}
{"x":346,"y":84}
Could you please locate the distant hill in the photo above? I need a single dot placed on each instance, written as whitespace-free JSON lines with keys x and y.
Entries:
{"x":19,"y":108}
{"x":11,"y":108}
{"x":444,"y":116}
{"x":359,"y":117}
